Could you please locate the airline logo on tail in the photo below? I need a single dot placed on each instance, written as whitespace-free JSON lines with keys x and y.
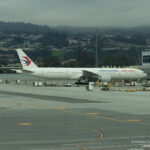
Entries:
{"x":26,"y":60}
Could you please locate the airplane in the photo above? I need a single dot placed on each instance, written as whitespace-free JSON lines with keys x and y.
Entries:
{"x":86,"y":74}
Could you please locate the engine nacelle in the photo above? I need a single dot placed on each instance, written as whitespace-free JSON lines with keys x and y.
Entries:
{"x":105,"y":78}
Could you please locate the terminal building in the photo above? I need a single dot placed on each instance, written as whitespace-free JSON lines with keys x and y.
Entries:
{"x":146,"y":62}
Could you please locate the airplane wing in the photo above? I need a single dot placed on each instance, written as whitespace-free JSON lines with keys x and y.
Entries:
{"x":92,"y":75}
{"x":89,"y":74}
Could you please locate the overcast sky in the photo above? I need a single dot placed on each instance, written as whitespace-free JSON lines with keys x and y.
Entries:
{"x":88,"y":13}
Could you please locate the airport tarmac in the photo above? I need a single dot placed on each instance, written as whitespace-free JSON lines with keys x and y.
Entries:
{"x":71,"y":118}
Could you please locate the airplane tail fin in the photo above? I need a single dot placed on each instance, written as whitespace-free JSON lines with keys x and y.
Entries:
{"x":26,"y":62}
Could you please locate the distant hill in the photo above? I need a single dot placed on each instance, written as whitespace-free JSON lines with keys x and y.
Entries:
{"x":35,"y":28}
{"x":106,"y":30}
{"x":22,"y":27}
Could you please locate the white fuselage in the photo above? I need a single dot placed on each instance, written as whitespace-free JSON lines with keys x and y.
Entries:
{"x":103,"y":74}
{"x":77,"y":73}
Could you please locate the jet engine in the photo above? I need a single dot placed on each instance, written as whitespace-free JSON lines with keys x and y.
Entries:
{"x":105,"y":78}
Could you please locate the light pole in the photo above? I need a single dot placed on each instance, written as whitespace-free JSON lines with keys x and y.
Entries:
{"x":96,"y":52}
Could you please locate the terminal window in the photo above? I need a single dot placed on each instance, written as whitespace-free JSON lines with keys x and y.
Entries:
{"x":146,"y":59}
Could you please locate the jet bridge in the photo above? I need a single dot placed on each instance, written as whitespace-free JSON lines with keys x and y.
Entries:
{"x":146,"y":62}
